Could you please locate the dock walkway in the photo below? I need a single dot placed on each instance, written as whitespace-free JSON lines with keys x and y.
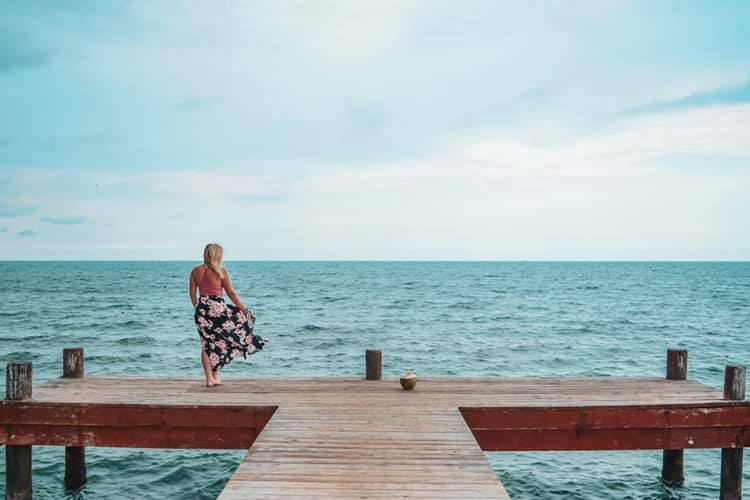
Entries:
{"x":348,"y":437}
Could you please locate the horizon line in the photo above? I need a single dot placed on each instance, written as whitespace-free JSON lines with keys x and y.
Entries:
{"x":404,"y":260}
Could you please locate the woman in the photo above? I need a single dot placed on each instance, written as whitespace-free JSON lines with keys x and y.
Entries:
{"x":226,"y":330}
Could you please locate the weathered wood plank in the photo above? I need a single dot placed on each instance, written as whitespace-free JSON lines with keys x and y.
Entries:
{"x":609,"y":417}
{"x":373,"y":461}
{"x":150,"y":426}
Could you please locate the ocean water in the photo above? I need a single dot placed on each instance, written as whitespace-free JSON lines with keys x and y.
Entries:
{"x":438,"y":318}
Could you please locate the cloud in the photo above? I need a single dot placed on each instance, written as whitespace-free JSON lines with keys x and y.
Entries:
{"x":4,"y":229}
{"x":26,"y":233}
{"x":64,"y":221}
{"x":540,"y":94}
{"x":12,"y":211}
{"x":724,"y":95}
{"x":630,"y":147}
{"x":192,"y":104}
{"x":261,"y":198}
{"x":95,"y":139}
{"x":16,"y":53}
{"x":210,"y":182}
{"x":5,"y":186}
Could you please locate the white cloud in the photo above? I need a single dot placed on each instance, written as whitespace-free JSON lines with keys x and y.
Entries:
{"x":632,"y":147}
{"x":611,"y":194}
{"x":627,"y":148}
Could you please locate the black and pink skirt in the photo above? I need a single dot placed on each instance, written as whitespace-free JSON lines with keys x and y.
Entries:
{"x":226,"y":332}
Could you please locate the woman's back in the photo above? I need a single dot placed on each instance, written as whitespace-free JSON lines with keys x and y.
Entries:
{"x":210,"y":283}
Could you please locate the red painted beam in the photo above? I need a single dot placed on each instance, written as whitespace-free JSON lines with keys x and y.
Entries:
{"x":719,"y":425}
{"x":128,"y":425}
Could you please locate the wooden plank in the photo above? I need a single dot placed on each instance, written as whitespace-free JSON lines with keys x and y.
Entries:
{"x":133,"y":415}
{"x":149,"y":426}
{"x":611,"y":439}
{"x":379,"y":460}
{"x":129,"y":437}
{"x":610,"y":428}
{"x":609,"y":417}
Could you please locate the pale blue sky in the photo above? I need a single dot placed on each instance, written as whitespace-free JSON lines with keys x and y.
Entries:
{"x":375,"y":130}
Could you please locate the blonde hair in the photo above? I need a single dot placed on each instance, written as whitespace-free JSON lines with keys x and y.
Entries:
{"x":212,"y":255}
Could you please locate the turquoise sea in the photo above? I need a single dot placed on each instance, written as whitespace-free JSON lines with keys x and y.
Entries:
{"x":438,"y":318}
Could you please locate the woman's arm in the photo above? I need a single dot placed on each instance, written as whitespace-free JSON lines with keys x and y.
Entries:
{"x":193,"y":287}
{"x":226,"y":282}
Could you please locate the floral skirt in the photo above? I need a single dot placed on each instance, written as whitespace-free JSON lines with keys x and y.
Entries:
{"x":226,"y":332}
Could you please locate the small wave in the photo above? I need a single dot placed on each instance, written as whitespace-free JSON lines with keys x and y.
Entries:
{"x":131,"y":322}
{"x":337,"y":342}
{"x":313,"y":328}
{"x":16,"y":314}
{"x":140,"y":340}
{"x":127,"y":306}
{"x":464,"y":305}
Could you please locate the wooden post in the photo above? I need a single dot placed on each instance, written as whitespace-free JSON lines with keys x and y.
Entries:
{"x":731,"y":458}
{"x":73,"y":363}
{"x":373,"y":364}
{"x":672,"y":465}
{"x":18,"y":381}
{"x":75,"y":456}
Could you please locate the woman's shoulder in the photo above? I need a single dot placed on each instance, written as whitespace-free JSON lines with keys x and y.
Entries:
{"x":197,"y":269}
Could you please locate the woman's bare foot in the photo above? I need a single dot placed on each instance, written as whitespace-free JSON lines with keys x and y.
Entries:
{"x":217,"y":377}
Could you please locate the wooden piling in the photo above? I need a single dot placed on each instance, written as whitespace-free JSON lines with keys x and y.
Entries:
{"x":18,"y":385}
{"x":73,"y":363}
{"x":677,"y":362}
{"x":75,"y":456}
{"x":673,"y":461}
{"x":731,"y":458}
{"x":373,"y":364}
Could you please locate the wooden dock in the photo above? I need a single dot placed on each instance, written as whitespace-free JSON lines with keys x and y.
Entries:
{"x":349,"y":437}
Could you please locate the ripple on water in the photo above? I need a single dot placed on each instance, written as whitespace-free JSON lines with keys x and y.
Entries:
{"x":313,"y":328}
{"x":139,"y":340}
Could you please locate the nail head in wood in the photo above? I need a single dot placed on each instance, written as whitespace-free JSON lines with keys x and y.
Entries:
{"x":373,"y":364}
{"x":73,"y":363}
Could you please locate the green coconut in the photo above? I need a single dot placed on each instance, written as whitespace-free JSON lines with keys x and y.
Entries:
{"x":408,"y":381}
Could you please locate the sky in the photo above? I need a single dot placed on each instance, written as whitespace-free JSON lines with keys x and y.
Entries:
{"x":394,"y":130}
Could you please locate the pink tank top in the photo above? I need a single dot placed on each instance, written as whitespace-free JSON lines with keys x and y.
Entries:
{"x":206,"y":289}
